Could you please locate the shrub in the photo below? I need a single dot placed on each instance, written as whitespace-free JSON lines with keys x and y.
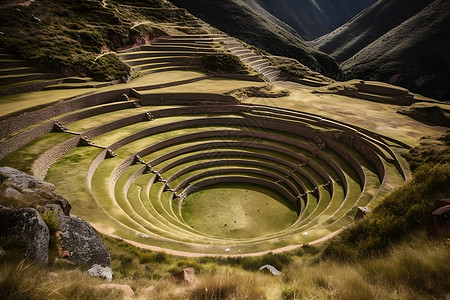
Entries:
{"x":109,"y":67}
{"x":224,"y":62}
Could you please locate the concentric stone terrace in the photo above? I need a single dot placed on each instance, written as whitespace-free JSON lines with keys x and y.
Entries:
{"x":142,"y":164}
{"x":201,"y":173}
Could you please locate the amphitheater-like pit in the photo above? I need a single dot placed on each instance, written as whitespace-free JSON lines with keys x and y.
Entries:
{"x":151,"y":170}
{"x":201,"y":173}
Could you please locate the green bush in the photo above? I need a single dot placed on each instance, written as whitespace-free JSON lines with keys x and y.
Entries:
{"x":109,"y":67}
{"x":224,"y":62}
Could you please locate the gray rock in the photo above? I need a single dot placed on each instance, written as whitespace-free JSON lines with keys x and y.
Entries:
{"x":78,"y":241}
{"x":22,"y":187}
{"x":82,"y":242}
{"x":25,"y":226}
{"x":22,"y":181}
{"x":99,"y":271}
{"x":12,"y":193}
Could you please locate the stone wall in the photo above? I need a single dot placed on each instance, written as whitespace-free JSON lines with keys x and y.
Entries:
{"x":186,"y":99}
{"x":241,"y":179}
{"x":12,"y":123}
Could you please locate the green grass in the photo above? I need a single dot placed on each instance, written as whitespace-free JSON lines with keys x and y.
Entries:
{"x":402,"y":211}
{"x":248,"y":212}
{"x":23,"y":158}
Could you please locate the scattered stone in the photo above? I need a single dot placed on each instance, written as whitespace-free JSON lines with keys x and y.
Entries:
{"x":126,"y":289}
{"x":25,"y":226}
{"x":272,"y":270}
{"x":99,"y":271}
{"x":361,"y":213}
{"x":186,"y":276}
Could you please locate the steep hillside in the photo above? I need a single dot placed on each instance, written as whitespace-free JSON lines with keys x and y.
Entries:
{"x":368,"y":26}
{"x":414,"y":54}
{"x":313,"y":18}
{"x":69,"y":36}
{"x":248,"y":21}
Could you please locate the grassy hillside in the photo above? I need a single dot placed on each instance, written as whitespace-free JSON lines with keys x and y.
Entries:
{"x":69,"y":36}
{"x":249,"y":22}
{"x":312,"y":19}
{"x":412,"y":266}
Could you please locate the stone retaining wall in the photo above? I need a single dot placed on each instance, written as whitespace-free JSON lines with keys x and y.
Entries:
{"x":15,"y":122}
{"x":236,"y":162}
{"x":185,"y":99}
{"x":291,"y":188}
{"x":45,"y":161}
{"x":241,"y":179}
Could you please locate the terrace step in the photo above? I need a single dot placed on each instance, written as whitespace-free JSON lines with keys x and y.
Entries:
{"x":170,"y":68}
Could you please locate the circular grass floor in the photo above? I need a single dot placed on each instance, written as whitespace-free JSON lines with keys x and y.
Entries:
{"x":238,"y":211}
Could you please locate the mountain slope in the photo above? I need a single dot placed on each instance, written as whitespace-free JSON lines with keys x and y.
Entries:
{"x":368,"y":26}
{"x":414,"y":54}
{"x":248,"y":21}
{"x":313,"y":18}
{"x":68,"y":36}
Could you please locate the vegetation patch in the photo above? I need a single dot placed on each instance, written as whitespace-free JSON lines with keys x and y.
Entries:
{"x":429,"y":151}
{"x":402,"y":212}
{"x":224,"y":63}
{"x":109,"y":67}
{"x":67,"y":36}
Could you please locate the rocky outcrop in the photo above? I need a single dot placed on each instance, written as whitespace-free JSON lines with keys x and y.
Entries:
{"x":76,"y":240}
{"x":24,"y":230}
{"x":20,"y":189}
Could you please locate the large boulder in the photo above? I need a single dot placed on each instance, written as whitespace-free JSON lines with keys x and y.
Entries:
{"x":77,"y":240}
{"x":24,"y":229}
{"x":82,"y":242}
